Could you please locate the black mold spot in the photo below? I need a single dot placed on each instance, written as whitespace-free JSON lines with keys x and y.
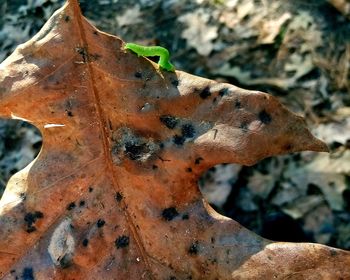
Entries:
{"x":154,"y":167}
{"x":214,"y":100}
{"x":85,"y":242}
{"x":118,"y":196}
{"x":95,"y":33}
{"x":31,"y":218}
{"x":175,"y":83}
{"x":23,"y":196}
{"x":333,"y":252}
{"x":189,"y":169}
{"x":66,"y":261}
{"x":100,"y":223}
{"x":39,"y":214}
{"x":205,"y":93}
{"x":81,"y":203}
{"x":193,"y":250}
{"x":122,"y":241}
{"x":288,"y":147}
{"x":27,"y":273}
{"x":169,"y":213}
{"x":243,"y":126}
{"x":83,"y":53}
{"x":172,"y":278}
{"x":31,"y":229}
{"x":185,"y":216}
{"x":136,"y":151}
{"x":66,"y":18}
{"x":238,"y":104}
{"x":169,"y":121}
{"x":223,"y":91}
{"x":198,"y":160}
{"x":178,"y":140}
{"x":91,"y":189}
{"x":188,"y":130}
{"x":212,"y":240}
{"x":138,"y":74}
{"x":71,"y":206}
{"x":264,"y":117}
{"x":12,"y":271}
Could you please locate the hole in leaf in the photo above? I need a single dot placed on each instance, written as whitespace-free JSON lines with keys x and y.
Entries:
{"x":20,"y":143}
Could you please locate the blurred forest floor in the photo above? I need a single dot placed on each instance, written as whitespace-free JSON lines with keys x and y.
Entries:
{"x":296,"y":50}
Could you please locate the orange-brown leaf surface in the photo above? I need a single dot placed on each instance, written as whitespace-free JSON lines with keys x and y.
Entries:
{"x":113,"y":193}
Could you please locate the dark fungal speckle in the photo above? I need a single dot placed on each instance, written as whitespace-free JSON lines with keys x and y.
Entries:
{"x":136,"y":151}
{"x":185,"y":216}
{"x":30,"y":229}
{"x":333,"y":252}
{"x":288,"y":147}
{"x":172,"y":278}
{"x":205,"y":93}
{"x":100,"y":223}
{"x":71,"y":206}
{"x":28,"y":273}
{"x":31,"y":218}
{"x":138,"y":75}
{"x":198,"y":160}
{"x":243,"y":126}
{"x":85,"y":242}
{"x":39,"y":214}
{"x":83,"y":53}
{"x":169,"y":121}
{"x":189,"y":169}
{"x":69,"y":113}
{"x":23,"y":196}
{"x":12,"y":271}
{"x":170,"y":213}
{"x":178,"y":140}
{"x":187,"y":130}
{"x":223,"y":92}
{"x":264,"y":117}
{"x":238,"y":104}
{"x":65,"y":261}
{"x":118,"y":196}
{"x":122,"y":241}
{"x":175,"y":83}
{"x":154,"y":167}
{"x":66,"y":18}
{"x":194,"y":247}
{"x":91,"y":189}
{"x":81,"y":203}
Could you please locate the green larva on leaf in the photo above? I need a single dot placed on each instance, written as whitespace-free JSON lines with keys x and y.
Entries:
{"x":163,"y":54}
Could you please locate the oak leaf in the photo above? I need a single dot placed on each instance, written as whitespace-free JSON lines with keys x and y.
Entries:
{"x":113,"y":193}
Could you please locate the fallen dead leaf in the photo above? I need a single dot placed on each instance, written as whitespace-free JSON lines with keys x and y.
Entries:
{"x":110,"y":194}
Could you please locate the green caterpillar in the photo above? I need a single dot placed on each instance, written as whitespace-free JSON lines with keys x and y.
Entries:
{"x":163,"y":54}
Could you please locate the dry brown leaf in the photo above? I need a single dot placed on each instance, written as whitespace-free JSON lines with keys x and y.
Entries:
{"x":113,"y":193}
